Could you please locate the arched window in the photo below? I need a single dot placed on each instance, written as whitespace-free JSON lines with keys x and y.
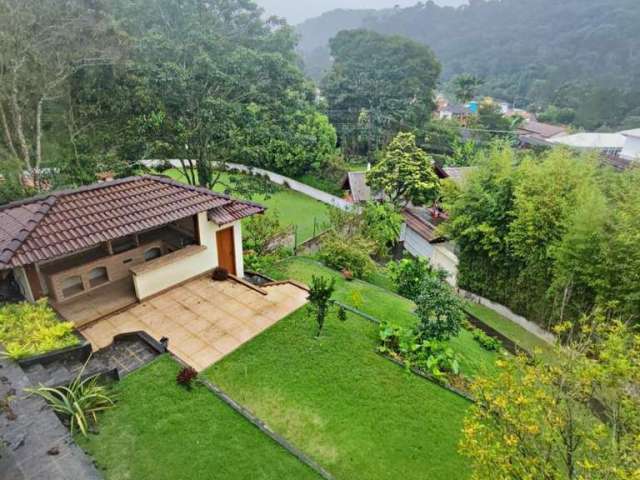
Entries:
{"x":72,"y":286}
{"x":152,"y":254}
{"x":98,"y":276}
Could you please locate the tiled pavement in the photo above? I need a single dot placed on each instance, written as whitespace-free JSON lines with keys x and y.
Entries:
{"x":204,"y":320}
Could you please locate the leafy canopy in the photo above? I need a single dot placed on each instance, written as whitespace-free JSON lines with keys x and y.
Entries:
{"x":405,"y":173}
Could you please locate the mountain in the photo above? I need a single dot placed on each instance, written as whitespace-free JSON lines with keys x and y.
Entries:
{"x":296,"y":11}
{"x":582,"y":57}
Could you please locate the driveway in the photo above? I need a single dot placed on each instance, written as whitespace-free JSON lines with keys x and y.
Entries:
{"x":203,"y":320}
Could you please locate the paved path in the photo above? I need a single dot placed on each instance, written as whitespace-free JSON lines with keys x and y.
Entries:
{"x":33,"y":442}
{"x":303,"y":188}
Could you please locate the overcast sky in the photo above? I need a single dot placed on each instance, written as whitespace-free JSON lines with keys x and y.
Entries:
{"x":296,"y":11}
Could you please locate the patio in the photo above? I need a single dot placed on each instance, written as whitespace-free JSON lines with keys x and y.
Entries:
{"x":203,"y":320}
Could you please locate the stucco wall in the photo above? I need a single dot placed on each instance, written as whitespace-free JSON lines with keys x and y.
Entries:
{"x":159,"y":279}
{"x":631,"y":149}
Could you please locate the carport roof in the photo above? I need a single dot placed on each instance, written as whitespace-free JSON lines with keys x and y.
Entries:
{"x":60,"y":223}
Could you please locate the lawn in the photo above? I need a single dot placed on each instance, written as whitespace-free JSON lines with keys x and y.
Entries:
{"x":159,"y":430}
{"x":359,"y":415}
{"x":292,"y":208}
{"x":512,"y":330}
{"x":383,"y":305}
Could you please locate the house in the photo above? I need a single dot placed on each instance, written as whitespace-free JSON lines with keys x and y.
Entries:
{"x":119,"y":242}
{"x":356,"y":189}
{"x":455,"y":112}
{"x":631,"y":149}
{"x":534,"y":133}
{"x":604,"y":143}
{"x":420,"y":235}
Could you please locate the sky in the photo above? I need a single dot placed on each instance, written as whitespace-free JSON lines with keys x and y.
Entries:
{"x":296,"y":11}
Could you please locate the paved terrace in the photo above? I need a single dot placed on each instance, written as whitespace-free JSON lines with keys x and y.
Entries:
{"x":204,"y":320}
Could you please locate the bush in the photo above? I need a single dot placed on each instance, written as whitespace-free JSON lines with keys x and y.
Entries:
{"x":79,"y":403}
{"x":220,"y":274}
{"x":186,"y":376}
{"x":408,"y":274}
{"x":28,"y":329}
{"x":440,"y":311}
{"x":431,"y":356}
{"x":352,"y":255}
{"x":488,"y":343}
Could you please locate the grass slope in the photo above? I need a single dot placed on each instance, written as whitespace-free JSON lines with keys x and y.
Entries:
{"x":513,"y":331}
{"x":359,"y":415}
{"x":383,"y":305}
{"x":159,"y":430}
{"x":292,"y":208}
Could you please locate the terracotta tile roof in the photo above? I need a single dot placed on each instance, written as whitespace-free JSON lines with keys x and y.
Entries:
{"x":60,"y":223}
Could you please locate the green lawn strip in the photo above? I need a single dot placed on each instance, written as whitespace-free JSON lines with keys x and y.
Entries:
{"x":293,"y":208}
{"x":513,"y":331}
{"x":159,"y":430}
{"x":384,"y":305}
{"x":357,"y":414}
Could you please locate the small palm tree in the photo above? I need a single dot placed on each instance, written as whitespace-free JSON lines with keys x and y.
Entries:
{"x":80,"y":402}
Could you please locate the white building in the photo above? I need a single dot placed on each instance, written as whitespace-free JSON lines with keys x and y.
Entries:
{"x":606,"y":143}
{"x":631,"y":149}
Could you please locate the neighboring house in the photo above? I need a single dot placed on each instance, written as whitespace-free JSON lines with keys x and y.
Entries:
{"x":356,"y":188}
{"x":115,"y":243}
{"x":604,"y":143}
{"x":631,"y":149}
{"x":461,"y":113}
{"x":420,"y":235}
{"x":533,"y":133}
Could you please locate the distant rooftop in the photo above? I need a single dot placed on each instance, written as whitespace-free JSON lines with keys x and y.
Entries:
{"x":602,"y":141}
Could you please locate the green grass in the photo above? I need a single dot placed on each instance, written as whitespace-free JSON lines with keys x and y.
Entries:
{"x":383,"y":305}
{"x":159,"y":430}
{"x":359,"y":415}
{"x":513,"y":331}
{"x":292,"y":208}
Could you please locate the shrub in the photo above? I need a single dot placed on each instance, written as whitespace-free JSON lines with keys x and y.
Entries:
{"x":79,"y":403}
{"x":351,"y":255}
{"x":28,"y":329}
{"x":431,"y":356}
{"x":186,"y":376}
{"x":439,"y":309}
{"x":220,"y":274}
{"x":408,"y":274}
{"x":488,"y":343}
{"x":319,"y":297}
{"x":264,"y":233}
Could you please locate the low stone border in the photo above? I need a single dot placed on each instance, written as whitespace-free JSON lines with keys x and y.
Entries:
{"x":78,"y":352}
{"x":430,"y":378}
{"x":264,"y":428}
{"x":508,"y":344}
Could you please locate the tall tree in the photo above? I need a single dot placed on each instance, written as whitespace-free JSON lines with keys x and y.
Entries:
{"x":466,"y":86}
{"x":377,"y":86}
{"x":42,"y":44}
{"x":577,"y":420}
{"x":405,"y":174}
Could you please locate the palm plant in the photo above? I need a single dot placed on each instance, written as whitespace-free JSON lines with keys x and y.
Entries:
{"x":80,"y":402}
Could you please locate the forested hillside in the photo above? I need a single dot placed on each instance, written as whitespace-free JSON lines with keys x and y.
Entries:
{"x":578,"y":56}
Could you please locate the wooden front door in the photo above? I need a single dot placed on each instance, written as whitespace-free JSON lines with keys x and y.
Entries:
{"x":226,"y":249}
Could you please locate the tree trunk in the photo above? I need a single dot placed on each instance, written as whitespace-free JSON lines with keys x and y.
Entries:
{"x":39,"y":134}
{"x":7,"y":133}
{"x":17,"y":122}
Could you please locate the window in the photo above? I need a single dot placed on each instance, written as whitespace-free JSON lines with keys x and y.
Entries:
{"x":72,"y":286}
{"x":98,"y":276}
{"x":152,"y":254}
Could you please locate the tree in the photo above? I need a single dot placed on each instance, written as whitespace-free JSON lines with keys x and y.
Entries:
{"x":576,"y":420}
{"x":320,"y":292}
{"x":262,"y":233}
{"x":381,"y":223}
{"x":405,"y":174}
{"x":377,"y":86}
{"x":439,"y":310}
{"x":408,"y":275}
{"x":42,"y":45}
{"x":466,"y":87}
